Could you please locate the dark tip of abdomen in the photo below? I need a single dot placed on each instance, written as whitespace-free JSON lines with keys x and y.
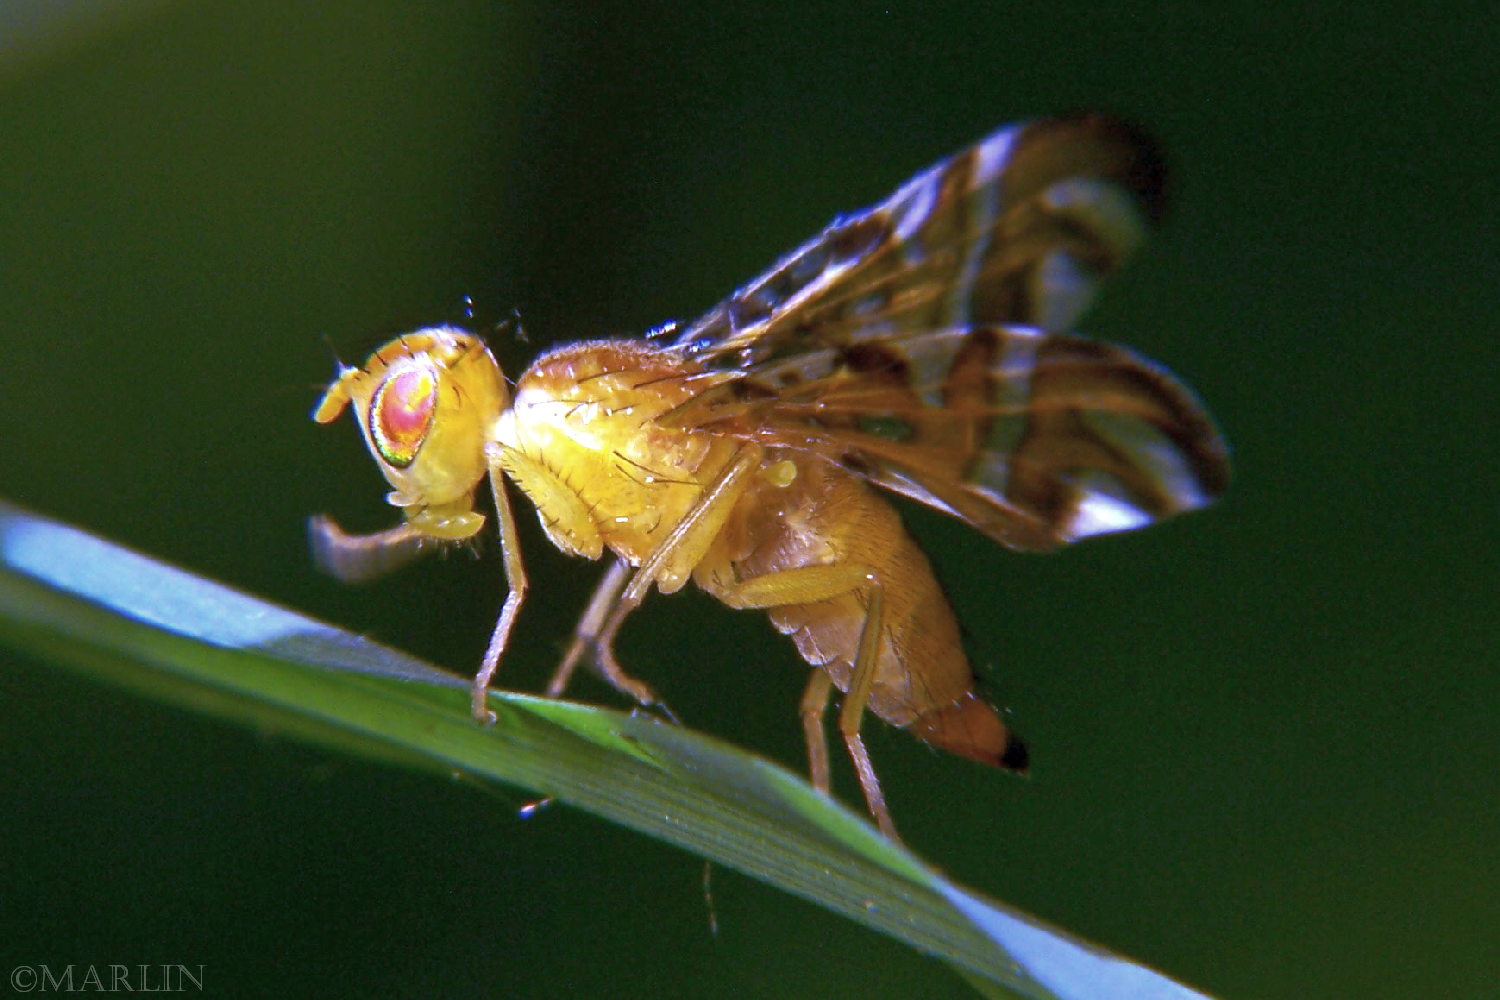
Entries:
{"x":1015,"y":757}
{"x":973,"y":729}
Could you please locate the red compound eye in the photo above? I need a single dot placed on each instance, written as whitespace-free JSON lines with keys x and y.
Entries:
{"x":401,"y":415}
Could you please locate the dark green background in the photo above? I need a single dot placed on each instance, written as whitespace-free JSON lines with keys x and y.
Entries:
{"x":1264,"y":737}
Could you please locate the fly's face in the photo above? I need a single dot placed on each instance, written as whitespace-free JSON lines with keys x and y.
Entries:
{"x":426,"y":402}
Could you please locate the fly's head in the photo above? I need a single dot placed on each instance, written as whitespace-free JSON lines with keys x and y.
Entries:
{"x":426,"y":403}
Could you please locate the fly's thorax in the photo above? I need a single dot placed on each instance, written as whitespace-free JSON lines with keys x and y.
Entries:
{"x":425,"y":403}
{"x":584,"y":439}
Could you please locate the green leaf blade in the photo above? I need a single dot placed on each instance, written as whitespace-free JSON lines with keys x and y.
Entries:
{"x":86,"y":604}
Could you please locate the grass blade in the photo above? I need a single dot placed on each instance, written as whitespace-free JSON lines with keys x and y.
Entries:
{"x":80,"y":602}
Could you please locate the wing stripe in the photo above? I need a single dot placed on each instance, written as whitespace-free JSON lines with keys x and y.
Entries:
{"x":922,"y":344}
{"x":1020,"y":228}
{"x":985,"y":191}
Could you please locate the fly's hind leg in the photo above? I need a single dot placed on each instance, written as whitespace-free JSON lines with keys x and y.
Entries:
{"x":852,"y":711}
{"x":814,"y":704}
{"x":807,"y":585}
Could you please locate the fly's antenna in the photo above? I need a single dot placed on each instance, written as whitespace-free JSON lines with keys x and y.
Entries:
{"x":512,"y":326}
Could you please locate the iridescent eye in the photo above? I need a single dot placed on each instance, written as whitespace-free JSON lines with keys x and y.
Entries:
{"x":401,"y":415}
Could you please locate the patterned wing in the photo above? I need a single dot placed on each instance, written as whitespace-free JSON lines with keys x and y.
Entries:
{"x":920,"y":344}
{"x":1035,"y":438}
{"x":1020,"y":228}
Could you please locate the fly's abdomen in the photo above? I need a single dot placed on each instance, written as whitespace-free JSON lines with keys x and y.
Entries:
{"x":923,"y":680}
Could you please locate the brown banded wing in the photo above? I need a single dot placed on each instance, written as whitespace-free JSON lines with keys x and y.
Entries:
{"x":1035,"y":438}
{"x":1019,"y":228}
{"x":913,"y":345}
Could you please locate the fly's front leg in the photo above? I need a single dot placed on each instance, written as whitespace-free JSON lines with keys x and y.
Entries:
{"x":515,"y":579}
{"x":807,"y":585}
{"x":362,"y":558}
